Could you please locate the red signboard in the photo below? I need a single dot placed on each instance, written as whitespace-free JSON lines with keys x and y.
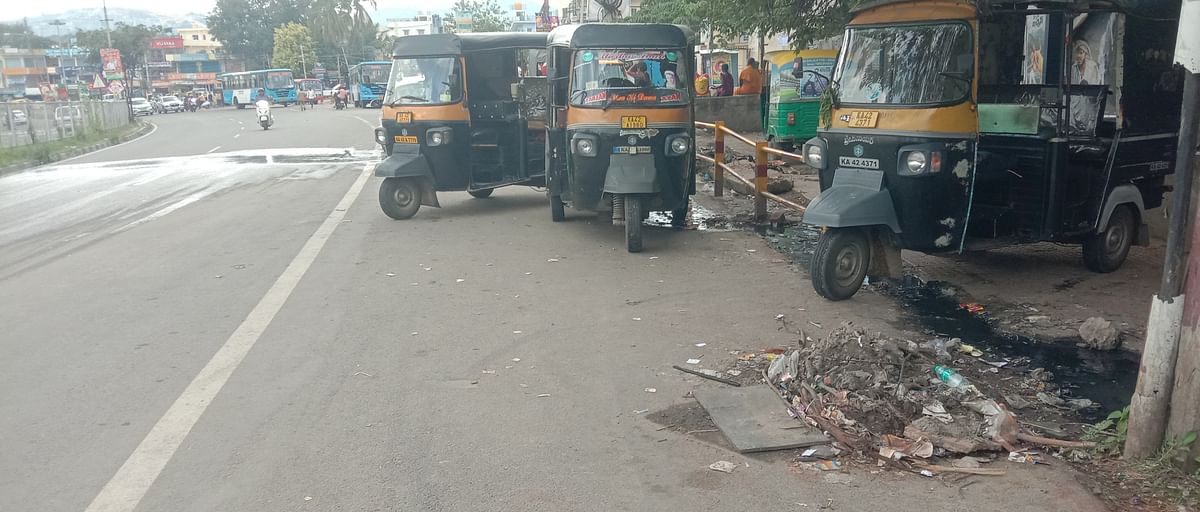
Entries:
{"x":165,"y":43}
{"x":110,"y":60}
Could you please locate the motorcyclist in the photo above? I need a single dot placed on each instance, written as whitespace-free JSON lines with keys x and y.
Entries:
{"x":343,"y":94}
{"x":260,"y":94}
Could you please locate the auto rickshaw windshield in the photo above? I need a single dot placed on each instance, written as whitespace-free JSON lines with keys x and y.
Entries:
{"x":906,"y":64}
{"x":624,"y":78}
{"x":424,"y":81}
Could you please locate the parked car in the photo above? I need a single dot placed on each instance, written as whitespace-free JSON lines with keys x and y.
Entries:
{"x":68,"y":119}
{"x":172,"y":104}
{"x":15,"y":119}
{"x":141,"y":107}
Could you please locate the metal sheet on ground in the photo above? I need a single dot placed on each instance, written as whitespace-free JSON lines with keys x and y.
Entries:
{"x":754,"y":419}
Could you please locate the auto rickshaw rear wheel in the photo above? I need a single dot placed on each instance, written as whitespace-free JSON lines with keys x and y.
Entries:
{"x":840,"y":262}
{"x":481,"y":194}
{"x":633,"y":223}
{"x":558,"y":210}
{"x":1105,"y":251}
{"x":400,"y":198}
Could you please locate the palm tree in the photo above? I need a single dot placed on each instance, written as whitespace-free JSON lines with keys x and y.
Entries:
{"x":336,"y":20}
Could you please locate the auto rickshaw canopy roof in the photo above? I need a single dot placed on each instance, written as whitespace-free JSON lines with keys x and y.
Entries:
{"x":430,"y":45}
{"x":623,"y":35}
{"x":1151,"y":8}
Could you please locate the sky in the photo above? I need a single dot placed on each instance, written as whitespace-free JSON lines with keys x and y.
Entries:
{"x":387,"y":8}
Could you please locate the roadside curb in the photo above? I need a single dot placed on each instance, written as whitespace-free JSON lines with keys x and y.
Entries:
{"x":143,"y":129}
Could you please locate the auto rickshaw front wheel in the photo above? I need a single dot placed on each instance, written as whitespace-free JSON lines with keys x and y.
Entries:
{"x":480,"y":194}
{"x":633,"y":223}
{"x":1105,"y":251}
{"x":840,"y":262}
{"x":400,"y":198}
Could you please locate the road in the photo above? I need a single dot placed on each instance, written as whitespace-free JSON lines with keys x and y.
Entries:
{"x":217,"y":317}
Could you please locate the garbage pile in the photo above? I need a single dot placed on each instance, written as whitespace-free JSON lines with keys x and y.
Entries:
{"x":902,"y":403}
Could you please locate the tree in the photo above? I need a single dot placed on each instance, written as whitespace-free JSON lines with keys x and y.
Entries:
{"x":294,"y":49}
{"x":486,"y":16}
{"x":246,"y":28}
{"x":802,"y":20}
{"x":19,"y":35}
{"x":132,"y":41}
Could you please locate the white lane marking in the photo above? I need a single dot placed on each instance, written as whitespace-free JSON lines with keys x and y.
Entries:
{"x":131,"y":482}
{"x":163,"y":212}
{"x":270,"y":159}
{"x":368,"y":123}
{"x":236,"y":135}
{"x":153,"y":128}
{"x":213,"y":149}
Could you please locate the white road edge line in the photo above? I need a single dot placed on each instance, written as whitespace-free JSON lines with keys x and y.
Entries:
{"x":153,"y":128}
{"x":213,"y":149}
{"x":133,"y":480}
{"x":368,"y":123}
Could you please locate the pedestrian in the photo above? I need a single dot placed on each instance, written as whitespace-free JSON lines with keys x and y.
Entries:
{"x":701,"y":84}
{"x":726,"y":88}
{"x":750,"y":79}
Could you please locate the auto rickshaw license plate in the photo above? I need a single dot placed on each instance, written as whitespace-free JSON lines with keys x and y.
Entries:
{"x":863,"y":118}
{"x":406,"y":139}
{"x":631,"y":150}
{"x":403,"y":117}
{"x":633,"y":122}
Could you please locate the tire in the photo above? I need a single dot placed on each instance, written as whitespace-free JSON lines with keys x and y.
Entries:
{"x":1105,"y":251}
{"x":481,"y":194}
{"x":633,"y":223}
{"x":840,"y":262}
{"x":558,"y":211}
{"x":400,"y":198}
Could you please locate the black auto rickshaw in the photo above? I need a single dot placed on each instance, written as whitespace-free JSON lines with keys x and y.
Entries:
{"x":461,"y":112}
{"x":948,"y":134}
{"x":621,"y":133}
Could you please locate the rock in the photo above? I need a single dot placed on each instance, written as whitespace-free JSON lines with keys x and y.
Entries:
{"x":966,"y":462}
{"x":1099,"y":334}
{"x":779,"y":185}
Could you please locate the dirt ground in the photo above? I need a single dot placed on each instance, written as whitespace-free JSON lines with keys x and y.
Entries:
{"x":1039,"y":290}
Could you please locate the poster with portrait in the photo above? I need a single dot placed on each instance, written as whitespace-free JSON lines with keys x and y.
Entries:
{"x":110,"y":61}
{"x":1034,"y":71}
{"x":801,"y":75}
{"x":1092,"y":62}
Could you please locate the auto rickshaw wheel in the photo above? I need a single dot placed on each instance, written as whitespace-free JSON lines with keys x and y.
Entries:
{"x":1105,"y":251}
{"x":840,"y":262}
{"x":633,"y":223}
{"x":400,"y":198}
{"x":481,"y":194}
{"x":558,"y":211}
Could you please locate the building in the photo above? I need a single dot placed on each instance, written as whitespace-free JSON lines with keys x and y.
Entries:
{"x":194,"y":63}
{"x":419,"y":25}
{"x":21,"y":71}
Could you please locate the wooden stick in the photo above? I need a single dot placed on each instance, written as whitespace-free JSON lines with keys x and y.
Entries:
{"x":1046,"y":441}
{"x":966,"y":471}
{"x":707,"y":376}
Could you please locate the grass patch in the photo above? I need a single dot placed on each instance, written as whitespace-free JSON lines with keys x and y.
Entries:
{"x":45,"y":152}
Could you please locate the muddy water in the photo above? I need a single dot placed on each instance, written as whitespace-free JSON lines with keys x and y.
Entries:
{"x":1107,"y":378}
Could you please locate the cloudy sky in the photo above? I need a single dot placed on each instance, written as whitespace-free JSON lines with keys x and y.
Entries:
{"x":387,"y":8}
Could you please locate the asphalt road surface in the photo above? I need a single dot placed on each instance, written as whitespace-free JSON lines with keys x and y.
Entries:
{"x":217,"y":317}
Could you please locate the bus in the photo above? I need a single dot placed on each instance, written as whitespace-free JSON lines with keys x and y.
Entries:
{"x":368,"y":82}
{"x":239,"y":87}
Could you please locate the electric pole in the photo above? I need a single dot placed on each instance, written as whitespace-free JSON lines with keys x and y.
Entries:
{"x":57,"y":26}
{"x":107,"y":28}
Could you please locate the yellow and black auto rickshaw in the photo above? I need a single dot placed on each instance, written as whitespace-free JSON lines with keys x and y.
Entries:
{"x":621,"y":132}
{"x":947,"y":133}
{"x":461,"y":112}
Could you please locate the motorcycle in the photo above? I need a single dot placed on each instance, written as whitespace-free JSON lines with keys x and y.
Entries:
{"x":263,"y":109}
{"x":339,"y":103}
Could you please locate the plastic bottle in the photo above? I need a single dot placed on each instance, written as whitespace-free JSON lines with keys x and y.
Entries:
{"x":950,"y":377}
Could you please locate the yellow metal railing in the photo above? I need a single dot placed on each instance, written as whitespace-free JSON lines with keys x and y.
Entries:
{"x":761,"y":150}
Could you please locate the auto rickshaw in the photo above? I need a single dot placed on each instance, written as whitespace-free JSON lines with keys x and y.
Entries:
{"x":621,"y":130}
{"x":458,"y":115}
{"x":948,"y":134}
{"x":797,"y":80}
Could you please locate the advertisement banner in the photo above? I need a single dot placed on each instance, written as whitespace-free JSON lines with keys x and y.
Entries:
{"x":166,"y":43}
{"x":110,"y":60}
{"x":801,"y":75}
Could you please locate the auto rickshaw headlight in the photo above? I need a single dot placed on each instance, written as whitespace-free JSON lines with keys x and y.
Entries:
{"x":916,"y":162}
{"x":814,"y":156}
{"x":679,"y":145}
{"x":380,"y":137}
{"x":437,"y":137}
{"x":584,"y":146}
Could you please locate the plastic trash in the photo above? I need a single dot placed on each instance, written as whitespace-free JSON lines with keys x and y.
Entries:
{"x":950,"y":377}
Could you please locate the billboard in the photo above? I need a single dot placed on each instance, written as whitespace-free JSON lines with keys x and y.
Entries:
{"x":110,"y":61}
{"x":166,"y":43}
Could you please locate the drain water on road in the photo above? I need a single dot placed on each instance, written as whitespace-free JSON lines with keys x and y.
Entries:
{"x":1107,"y":378}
